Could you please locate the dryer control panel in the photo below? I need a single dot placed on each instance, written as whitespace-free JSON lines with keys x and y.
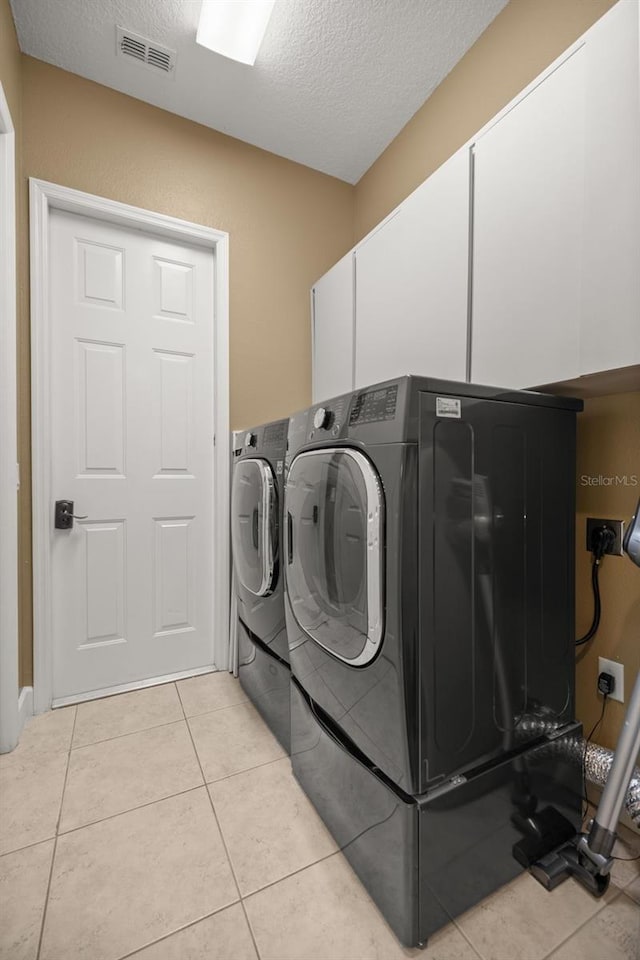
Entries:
{"x":372,"y":406}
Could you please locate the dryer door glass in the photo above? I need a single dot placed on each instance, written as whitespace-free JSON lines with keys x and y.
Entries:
{"x":335,"y":506}
{"x":254,"y":525}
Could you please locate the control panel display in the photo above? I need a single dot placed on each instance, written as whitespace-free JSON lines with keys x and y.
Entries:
{"x":275,"y":432}
{"x":374,"y":405}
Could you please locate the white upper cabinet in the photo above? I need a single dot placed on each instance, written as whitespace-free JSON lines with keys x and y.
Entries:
{"x":332,"y":312}
{"x":610,"y":330}
{"x":528,"y":235}
{"x":539,"y":215}
{"x":556,"y":247}
{"x":411,"y":284}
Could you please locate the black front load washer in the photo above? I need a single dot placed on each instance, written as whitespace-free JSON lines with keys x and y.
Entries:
{"x":429,"y":548}
{"x":256,"y":527}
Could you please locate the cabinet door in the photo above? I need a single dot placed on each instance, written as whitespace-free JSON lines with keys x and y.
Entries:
{"x":610,"y":334}
{"x":332,"y":306}
{"x":528,"y":236}
{"x":411,"y":284}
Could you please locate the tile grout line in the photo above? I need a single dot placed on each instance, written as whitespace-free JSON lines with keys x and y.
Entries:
{"x":602,"y":906}
{"x":229,"y":776}
{"x":453,"y":921}
{"x":179,"y":793}
{"x":205,"y":713}
{"x":240,"y":902}
{"x":122,"y":813}
{"x":123,"y":736}
{"x":239,"y":773}
{"x":155,"y":726}
{"x":139,"y":806}
{"x":167,"y":936}
{"x":27,"y":846}
{"x":307,"y":866}
{"x":164,"y":723}
{"x":476,"y":950}
{"x":148,"y":803}
{"x":217,"y":822}
{"x":55,"y":839}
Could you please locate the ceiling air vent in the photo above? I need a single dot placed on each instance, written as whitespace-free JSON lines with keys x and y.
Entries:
{"x":145,"y":51}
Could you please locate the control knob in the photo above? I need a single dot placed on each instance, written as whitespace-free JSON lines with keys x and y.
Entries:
{"x":250,"y":440}
{"x":321,"y":418}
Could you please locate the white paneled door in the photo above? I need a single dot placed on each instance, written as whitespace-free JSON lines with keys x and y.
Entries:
{"x":132,"y":439}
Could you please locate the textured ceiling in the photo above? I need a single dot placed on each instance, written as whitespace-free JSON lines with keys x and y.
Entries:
{"x":334,"y":82}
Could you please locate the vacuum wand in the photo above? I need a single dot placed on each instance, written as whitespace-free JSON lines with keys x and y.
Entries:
{"x":598,"y":843}
{"x":588,"y":856}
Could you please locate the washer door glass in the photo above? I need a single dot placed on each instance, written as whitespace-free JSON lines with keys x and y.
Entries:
{"x":334,"y":506}
{"x":254,"y":517}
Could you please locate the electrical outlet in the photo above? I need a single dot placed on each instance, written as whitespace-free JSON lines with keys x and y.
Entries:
{"x":618,"y":528}
{"x":617,"y":671}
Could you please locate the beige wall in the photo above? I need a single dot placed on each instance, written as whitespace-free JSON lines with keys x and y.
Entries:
{"x":520,"y":43}
{"x":287,"y":225}
{"x":10,"y":67}
{"x":608,"y":446}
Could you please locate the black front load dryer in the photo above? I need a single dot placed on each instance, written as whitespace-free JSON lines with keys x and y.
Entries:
{"x":256,"y":527}
{"x":429,"y":554}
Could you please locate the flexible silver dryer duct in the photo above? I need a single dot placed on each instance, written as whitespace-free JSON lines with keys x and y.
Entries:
{"x":597,"y":763}
{"x":595,"y":760}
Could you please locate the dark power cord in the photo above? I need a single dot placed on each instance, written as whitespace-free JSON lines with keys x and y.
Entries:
{"x":584,"y":755}
{"x":601,"y":540}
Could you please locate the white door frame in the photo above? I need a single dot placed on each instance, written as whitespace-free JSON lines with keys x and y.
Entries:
{"x":45,"y":197}
{"x":9,"y":717}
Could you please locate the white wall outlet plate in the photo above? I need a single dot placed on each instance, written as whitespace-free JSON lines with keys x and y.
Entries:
{"x":617,"y":671}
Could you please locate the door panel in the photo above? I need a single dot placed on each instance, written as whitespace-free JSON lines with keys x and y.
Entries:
{"x":173,"y":289}
{"x":173,"y":575}
{"x":174,"y":412}
{"x":99,"y":272}
{"x":100,"y":408}
{"x":335,"y":509}
{"x":132,"y":360}
{"x":105,"y":562}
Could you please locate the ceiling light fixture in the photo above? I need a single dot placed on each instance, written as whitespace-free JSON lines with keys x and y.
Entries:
{"x":234,"y":28}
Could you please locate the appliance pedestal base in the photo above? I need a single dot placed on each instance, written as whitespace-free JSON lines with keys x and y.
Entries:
{"x":427,"y":859}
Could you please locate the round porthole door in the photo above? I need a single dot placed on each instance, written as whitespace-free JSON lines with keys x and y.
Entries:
{"x":254,"y":525}
{"x":335,"y":516}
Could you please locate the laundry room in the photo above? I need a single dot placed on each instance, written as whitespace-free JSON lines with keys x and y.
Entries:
{"x":320,"y":479}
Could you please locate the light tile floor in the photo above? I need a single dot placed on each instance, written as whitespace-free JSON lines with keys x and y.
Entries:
{"x":165,"y":824}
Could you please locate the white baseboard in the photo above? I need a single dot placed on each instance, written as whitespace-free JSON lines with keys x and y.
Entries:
{"x":25,"y":707}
